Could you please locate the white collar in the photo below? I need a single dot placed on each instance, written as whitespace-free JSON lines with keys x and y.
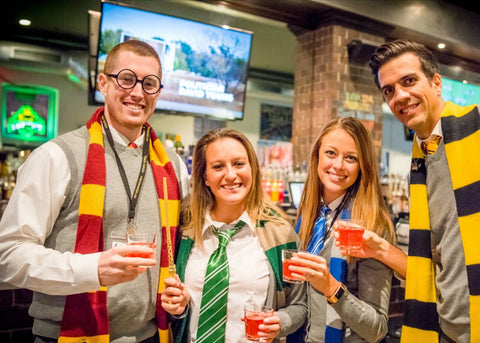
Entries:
{"x":221,"y":225}
{"x":437,"y":130}
{"x":335,"y":203}
{"x":121,"y":139}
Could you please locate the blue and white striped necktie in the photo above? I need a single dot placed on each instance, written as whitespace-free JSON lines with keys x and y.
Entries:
{"x":316,"y":242}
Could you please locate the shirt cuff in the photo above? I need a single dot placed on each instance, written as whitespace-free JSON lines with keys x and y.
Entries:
{"x":85,"y":270}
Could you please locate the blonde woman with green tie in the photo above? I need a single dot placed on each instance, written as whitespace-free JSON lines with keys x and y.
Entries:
{"x":228,"y":207}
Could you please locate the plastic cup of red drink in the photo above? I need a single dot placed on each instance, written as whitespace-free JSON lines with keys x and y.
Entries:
{"x":350,"y":234}
{"x":287,"y":261}
{"x":146,"y":239}
{"x":254,"y":316}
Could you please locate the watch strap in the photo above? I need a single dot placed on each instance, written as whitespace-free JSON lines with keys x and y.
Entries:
{"x":337,"y":295}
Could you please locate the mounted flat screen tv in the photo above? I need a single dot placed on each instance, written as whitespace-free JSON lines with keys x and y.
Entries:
{"x":204,"y":66}
{"x":460,"y":93}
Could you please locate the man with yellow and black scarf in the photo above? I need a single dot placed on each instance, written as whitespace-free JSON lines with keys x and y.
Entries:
{"x":442,"y":270}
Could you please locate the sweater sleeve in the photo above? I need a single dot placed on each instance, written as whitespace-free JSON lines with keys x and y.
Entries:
{"x":289,"y":299}
{"x":364,"y":307}
{"x":294,"y":314}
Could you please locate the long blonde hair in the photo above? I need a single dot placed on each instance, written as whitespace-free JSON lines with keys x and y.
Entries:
{"x":258,"y":204}
{"x":368,"y":205}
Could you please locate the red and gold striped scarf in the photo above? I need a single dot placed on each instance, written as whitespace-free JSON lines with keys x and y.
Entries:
{"x":85,"y":317}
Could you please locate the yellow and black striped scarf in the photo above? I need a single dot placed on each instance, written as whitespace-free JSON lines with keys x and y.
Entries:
{"x":461,"y":134}
{"x":85,"y":317}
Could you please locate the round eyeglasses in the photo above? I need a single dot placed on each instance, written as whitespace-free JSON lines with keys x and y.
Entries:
{"x":127,"y":79}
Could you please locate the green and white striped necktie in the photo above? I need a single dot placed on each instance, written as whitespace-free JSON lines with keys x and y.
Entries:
{"x":213,"y":309}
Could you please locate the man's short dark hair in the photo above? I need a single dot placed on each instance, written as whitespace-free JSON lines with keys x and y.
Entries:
{"x":393,"y":49}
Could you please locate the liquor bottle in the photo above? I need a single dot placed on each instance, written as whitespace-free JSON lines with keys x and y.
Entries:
{"x":267,"y":182}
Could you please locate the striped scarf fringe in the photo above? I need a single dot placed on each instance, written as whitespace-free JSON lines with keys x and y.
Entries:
{"x":461,"y":133}
{"x":85,"y":317}
{"x":334,"y":326}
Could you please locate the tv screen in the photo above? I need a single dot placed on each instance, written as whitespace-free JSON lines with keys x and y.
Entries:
{"x":29,"y":114}
{"x":204,"y":66}
{"x":460,"y":93}
{"x":296,"y":189}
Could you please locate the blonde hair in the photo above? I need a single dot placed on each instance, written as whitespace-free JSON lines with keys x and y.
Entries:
{"x":258,"y":204}
{"x":368,"y":205}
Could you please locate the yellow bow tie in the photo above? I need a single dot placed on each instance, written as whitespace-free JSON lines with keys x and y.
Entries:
{"x":431,"y":144}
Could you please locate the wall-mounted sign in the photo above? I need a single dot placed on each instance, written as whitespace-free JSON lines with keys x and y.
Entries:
{"x":359,"y":106}
{"x":29,"y":114}
{"x":26,"y":122}
{"x":358,"y":102}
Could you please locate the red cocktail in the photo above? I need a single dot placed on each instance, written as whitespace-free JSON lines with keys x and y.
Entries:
{"x":254,"y":316}
{"x":349,"y":234}
{"x":142,"y":239}
{"x":143,"y":255}
{"x":287,"y":261}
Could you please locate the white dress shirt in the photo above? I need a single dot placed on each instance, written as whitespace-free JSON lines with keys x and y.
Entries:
{"x":24,"y":261}
{"x":249,"y":275}
{"x":333,"y":206}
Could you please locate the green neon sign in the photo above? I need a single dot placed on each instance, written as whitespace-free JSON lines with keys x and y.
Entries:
{"x":26,"y":122}
{"x":29,"y":114}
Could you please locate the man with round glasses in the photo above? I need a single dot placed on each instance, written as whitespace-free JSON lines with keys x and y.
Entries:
{"x":64,"y":231}
{"x":127,"y":79}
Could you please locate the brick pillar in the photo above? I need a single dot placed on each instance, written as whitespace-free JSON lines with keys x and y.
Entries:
{"x":329,"y":84}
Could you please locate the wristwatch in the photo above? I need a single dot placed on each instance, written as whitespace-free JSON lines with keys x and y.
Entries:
{"x":337,"y":295}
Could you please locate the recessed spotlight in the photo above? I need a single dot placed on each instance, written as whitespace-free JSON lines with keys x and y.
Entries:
{"x":24,"y":22}
{"x":441,"y":45}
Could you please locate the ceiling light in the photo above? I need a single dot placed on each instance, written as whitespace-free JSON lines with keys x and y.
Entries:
{"x":24,"y":22}
{"x":441,"y":45}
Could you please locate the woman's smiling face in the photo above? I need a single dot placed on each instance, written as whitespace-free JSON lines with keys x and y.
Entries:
{"x":228,"y":173}
{"x":338,"y":164}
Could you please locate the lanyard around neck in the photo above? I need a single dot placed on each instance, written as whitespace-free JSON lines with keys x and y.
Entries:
{"x":133,"y":199}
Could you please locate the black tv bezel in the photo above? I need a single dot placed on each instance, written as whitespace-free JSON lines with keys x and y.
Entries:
{"x":94,"y":42}
{"x":409,"y":133}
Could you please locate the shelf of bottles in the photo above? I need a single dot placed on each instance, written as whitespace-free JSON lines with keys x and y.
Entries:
{"x":9,"y":166}
{"x":275,"y":179}
{"x":10,"y":161}
{"x":395,"y":192}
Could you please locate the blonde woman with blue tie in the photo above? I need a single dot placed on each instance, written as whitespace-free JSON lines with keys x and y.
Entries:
{"x":348,"y":299}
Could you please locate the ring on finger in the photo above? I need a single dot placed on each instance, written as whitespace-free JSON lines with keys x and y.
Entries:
{"x":312,"y":273}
